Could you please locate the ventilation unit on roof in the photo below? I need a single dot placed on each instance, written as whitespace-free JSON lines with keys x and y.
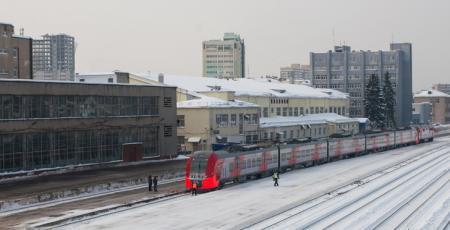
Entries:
{"x":279,"y":90}
{"x":215,"y":87}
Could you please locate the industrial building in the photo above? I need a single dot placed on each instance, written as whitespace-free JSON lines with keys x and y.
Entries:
{"x":55,"y":124}
{"x":15,"y":54}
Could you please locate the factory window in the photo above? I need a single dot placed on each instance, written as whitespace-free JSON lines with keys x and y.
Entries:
{"x":301,"y":111}
{"x":61,"y":148}
{"x":296,"y":111}
{"x":290,"y":112}
{"x":278,"y":111}
{"x":38,"y":106}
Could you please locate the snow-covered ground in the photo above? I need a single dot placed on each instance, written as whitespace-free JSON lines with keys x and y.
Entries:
{"x":372,"y":182}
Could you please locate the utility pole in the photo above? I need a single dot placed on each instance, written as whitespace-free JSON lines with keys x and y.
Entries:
{"x":279,"y":152}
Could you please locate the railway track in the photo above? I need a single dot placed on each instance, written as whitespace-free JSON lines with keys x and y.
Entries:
{"x":403,"y":216}
{"x":74,"y":220}
{"x":360,"y":210}
{"x":315,"y":211}
{"x":82,"y":197}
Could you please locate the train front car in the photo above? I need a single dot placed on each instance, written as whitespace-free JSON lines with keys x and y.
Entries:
{"x":201,"y":169}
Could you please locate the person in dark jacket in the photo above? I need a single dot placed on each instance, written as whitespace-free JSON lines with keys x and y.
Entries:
{"x":155,"y":183}
{"x":150,"y":182}
{"x":194,"y":188}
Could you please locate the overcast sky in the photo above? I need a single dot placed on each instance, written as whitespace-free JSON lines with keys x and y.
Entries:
{"x":166,"y":35}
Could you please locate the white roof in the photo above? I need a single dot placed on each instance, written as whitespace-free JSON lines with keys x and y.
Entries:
{"x":431,"y":93}
{"x":322,"y":118}
{"x":247,"y":87}
{"x":362,"y":119}
{"x":212,"y":102}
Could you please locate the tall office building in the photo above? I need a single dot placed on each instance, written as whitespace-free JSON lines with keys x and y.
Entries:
{"x":349,"y":71}
{"x":15,"y":54}
{"x":224,"y":58}
{"x":295,"y":72}
{"x":54,"y":57}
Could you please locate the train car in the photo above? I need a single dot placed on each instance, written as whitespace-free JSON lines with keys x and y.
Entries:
{"x":210,"y":170}
{"x":406,"y":137}
{"x":426,"y":134}
{"x":342,"y":147}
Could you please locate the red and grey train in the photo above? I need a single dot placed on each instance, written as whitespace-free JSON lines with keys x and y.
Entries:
{"x":210,"y":170}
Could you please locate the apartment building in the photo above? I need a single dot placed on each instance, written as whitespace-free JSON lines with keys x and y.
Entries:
{"x":15,"y":54}
{"x":349,"y":71}
{"x":224,"y":58}
{"x":54,"y":57}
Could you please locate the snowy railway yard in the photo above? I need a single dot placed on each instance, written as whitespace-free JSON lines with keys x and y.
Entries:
{"x":407,"y":188}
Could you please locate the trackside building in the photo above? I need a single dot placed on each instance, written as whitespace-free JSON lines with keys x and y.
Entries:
{"x":46,"y":124}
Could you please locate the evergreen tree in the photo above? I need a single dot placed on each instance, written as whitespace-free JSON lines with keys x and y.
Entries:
{"x":374,"y":103}
{"x":389,"y":102}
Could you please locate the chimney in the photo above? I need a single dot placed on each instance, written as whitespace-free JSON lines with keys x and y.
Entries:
{"x":161,"y":78}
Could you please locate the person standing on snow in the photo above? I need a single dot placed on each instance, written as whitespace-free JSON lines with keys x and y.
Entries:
{"x":150,"y":183}
{"x":275,"y":177}
{"x":194,"y":188}
{"x":155,"y":184}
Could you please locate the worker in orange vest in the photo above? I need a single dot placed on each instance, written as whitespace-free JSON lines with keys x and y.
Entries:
{"x":194,"y":188}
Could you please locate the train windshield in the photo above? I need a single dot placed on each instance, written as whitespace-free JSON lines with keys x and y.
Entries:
{"x":198,"y":165}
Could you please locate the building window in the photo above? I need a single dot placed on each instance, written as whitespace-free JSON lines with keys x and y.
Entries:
{"x":180,"y":121}
{"x":278,"y":111}
{"x":61,"y":148}
{"x":290,"y":112}
{"x":254,"y":118}
{"x":296,"y":111}
{"x":301,"y":111}
{"x":266,"y":112}
{"x":285,"y":111}
{"x":167,"y":102}
{"x":222,"y":120}
{"x":110,"y":80}
{"x":233,"y":119}
{"x":168,"y":131}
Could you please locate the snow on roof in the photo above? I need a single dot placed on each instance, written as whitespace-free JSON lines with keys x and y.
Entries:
{"x":212,"y":102}
{"x":322,"y":118}
{"x":95,"y":74}
{"x":362,"y":119}
{"x":246,"y":87}
{"x":431,"y":93}
{"x":21,"y":36}
{"x":79,"y":83}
